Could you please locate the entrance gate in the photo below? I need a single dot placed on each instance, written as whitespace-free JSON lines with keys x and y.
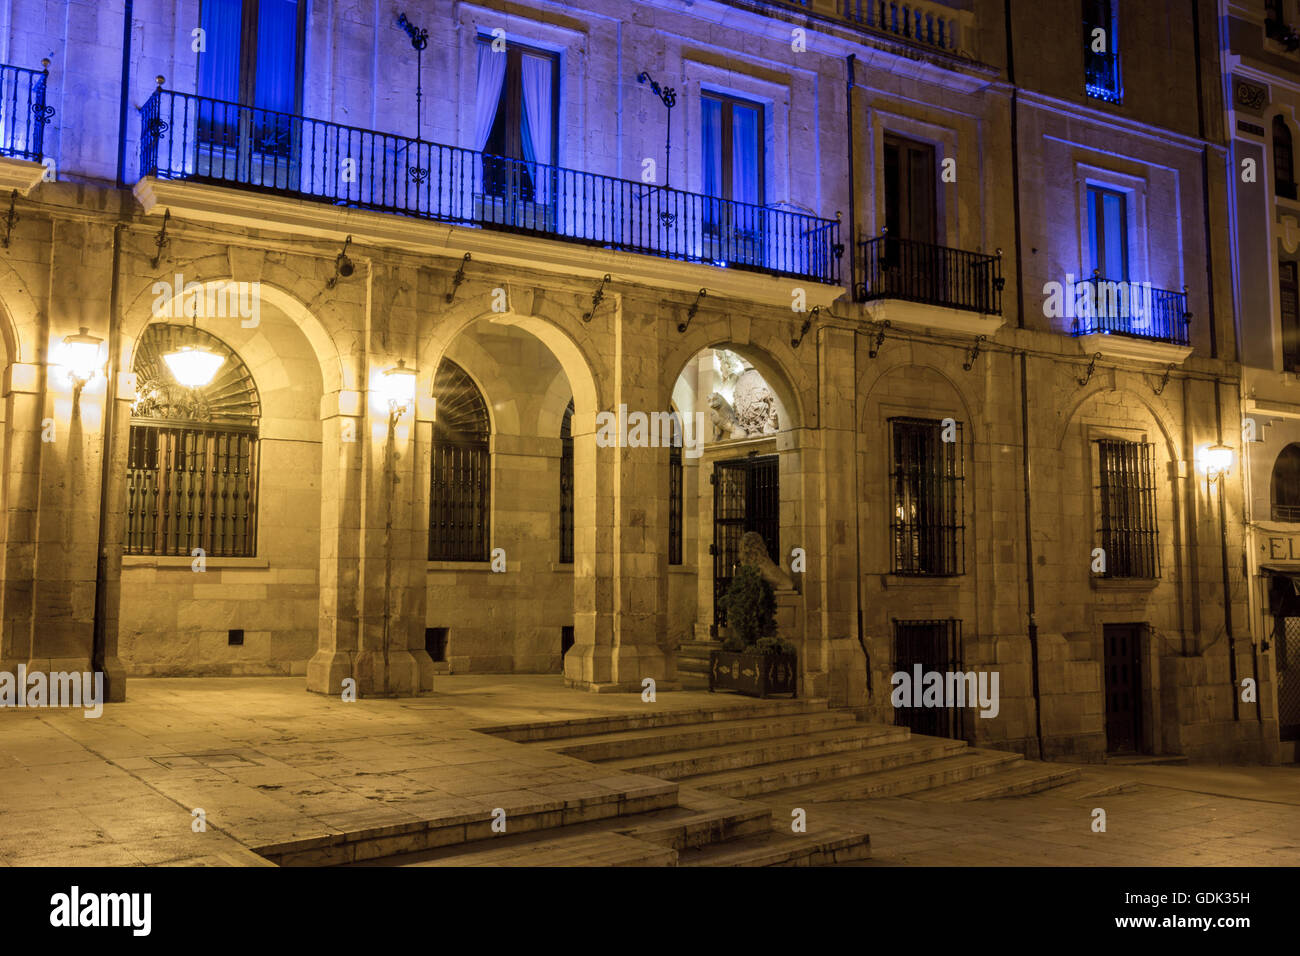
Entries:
{"x":746,"y":497}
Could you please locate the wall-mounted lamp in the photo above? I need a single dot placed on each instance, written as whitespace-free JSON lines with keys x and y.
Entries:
{"x":398,"y":386}
{"x":81,"y":356}
{"x":1215,"y":461}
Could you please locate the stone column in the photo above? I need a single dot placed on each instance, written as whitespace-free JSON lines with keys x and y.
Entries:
{"x":628,"y":569}
{"x":835,"y":665}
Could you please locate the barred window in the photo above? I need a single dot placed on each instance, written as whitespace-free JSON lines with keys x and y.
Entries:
{"x":461,"y":488}
{"x":676,"y":494}
{"x":1129,"y":536}
{"x":192,"y":454}
{"x":566,"y":486}
{"x":928,"y":485}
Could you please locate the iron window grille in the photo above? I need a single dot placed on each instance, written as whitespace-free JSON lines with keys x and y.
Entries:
{"x":928,"y":486}
{"x":461,"y":485}
{"x":566,"y":486}
{"x":1129,"y":535}
{"x":937,"y":646}
{"x":676,"y":497}
{"x":192,"y":454}
{"x":1283,"y":159}
{"x":1289,"y":304}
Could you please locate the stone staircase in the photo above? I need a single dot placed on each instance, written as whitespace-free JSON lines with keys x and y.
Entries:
{"x":693,"y":664}
{"x":714,"y":761}
{"x":802,"y":750}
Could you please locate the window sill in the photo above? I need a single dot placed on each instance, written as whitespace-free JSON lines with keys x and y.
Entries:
{"x":460,"y":565}
{"x":681,"y":569}
{"x":562,"y":567}
{"x":182,"y":561}
{"x":921,"y":580}
{"x":1124,"y":584}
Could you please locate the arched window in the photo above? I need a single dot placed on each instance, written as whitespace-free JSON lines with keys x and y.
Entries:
{"x":461,"y":490}
{"x":1286,"y":485}
{"x":1283,"y":159}
{"x":566,"y":486}
{"x":191,"y":479}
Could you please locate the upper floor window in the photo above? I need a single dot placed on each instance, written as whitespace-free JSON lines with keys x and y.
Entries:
{"x":1101,"y":50}
{"x":1277,"y":27}
{"x":252,"y":55}
{"x":732,"y":146}
{"x":1289,"y":307}
{"x":911,"y":192}
{"x":1107,"y":234}
{"x":1286,"y":485}
{"x":461,"y":489}
{"x":928,"y":484}
{"x":192,"y":453}
{"x":516,"y":118}
{"x":1283,"y":159}
{"x":253,"y":52}
{"x":1127,"y":507}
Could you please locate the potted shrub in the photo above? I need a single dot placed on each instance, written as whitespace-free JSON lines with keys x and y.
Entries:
{"x":753,"y":659}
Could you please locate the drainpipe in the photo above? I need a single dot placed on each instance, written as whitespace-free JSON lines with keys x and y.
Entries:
{"x":122,"y":108}
{"x":1031,"y":595}
{"x":99,"y":629}
{"x":851,"y":62}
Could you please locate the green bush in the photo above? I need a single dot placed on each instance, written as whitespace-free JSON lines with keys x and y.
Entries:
{"x":773,"y":645}
{"x":750,"y":607}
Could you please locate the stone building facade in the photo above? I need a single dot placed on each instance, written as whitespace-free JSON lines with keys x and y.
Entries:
{"x":1261,"y":69}
{"x":977,"y":281}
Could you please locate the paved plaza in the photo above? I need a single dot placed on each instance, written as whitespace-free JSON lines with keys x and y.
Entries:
{"x":271,"y":766}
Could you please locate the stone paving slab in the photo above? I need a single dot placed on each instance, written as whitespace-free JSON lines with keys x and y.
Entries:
{"x":273,"y":766}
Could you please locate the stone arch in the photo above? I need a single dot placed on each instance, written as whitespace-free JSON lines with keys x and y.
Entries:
{"x":1161,"y":419}
{"x":572,"y":358}
{"x":1284,"y":484}
{"x":335,"y":373}
{"x":878,"y":384}
{"x":771,"y":364}
{"x":19,"y":318}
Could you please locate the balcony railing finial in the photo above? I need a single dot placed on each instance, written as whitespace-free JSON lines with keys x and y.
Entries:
{"x":160,"y":79}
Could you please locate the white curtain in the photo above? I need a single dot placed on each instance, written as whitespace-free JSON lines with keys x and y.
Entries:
{"x":536,"y":81}
{"x":491,"y":77}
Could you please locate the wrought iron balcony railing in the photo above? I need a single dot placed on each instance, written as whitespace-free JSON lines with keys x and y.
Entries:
{"x":23,"y":113}
{"x":190,"y":137}
{"x":925,"y":23}
{"x":894,"y":268}
{"x":1134,"y":309}
{"x":1103,"y":77}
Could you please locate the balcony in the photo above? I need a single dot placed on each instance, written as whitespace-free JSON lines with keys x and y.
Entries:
{"x":1131,"y":320}
{"x":925,"y":24}
{"x":1103,"y":77}
{"x":935,"y":287}
{"x":23,"y":118}
{"x":192,"y":138}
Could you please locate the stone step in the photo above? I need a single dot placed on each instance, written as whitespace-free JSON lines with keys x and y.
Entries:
{"x":652,"y":718}
{"x":1146,"y":760}
{"x":552,"y":849}
{"x":455,"y":828}
{"x":640,"y":743}
{"x":780,"y":847}
{"x":952,"y":767}
{"x":700,"y":819}
{"x":794,"y":744}
{"x":1093,"y":784}
{"x":1010,"y":781}
{"x":814,"y":771}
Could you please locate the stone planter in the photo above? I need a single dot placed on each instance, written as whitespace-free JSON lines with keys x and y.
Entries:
{"x":753,"y":674}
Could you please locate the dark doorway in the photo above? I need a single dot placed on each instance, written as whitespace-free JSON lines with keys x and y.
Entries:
{"x":566,"y":639}
{"x":935,"y":646}
{"x":746,"y":497}
{"x":1286,"y":644}
{"x":435,"y":643}
{"x":1122,"y":664}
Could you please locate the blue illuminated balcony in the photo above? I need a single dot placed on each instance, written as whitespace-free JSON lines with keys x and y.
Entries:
{"x":1103,"y":77}
{"x":23,"y":113}
{"x":1134,"y":310}
{"x":187,"y":137}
